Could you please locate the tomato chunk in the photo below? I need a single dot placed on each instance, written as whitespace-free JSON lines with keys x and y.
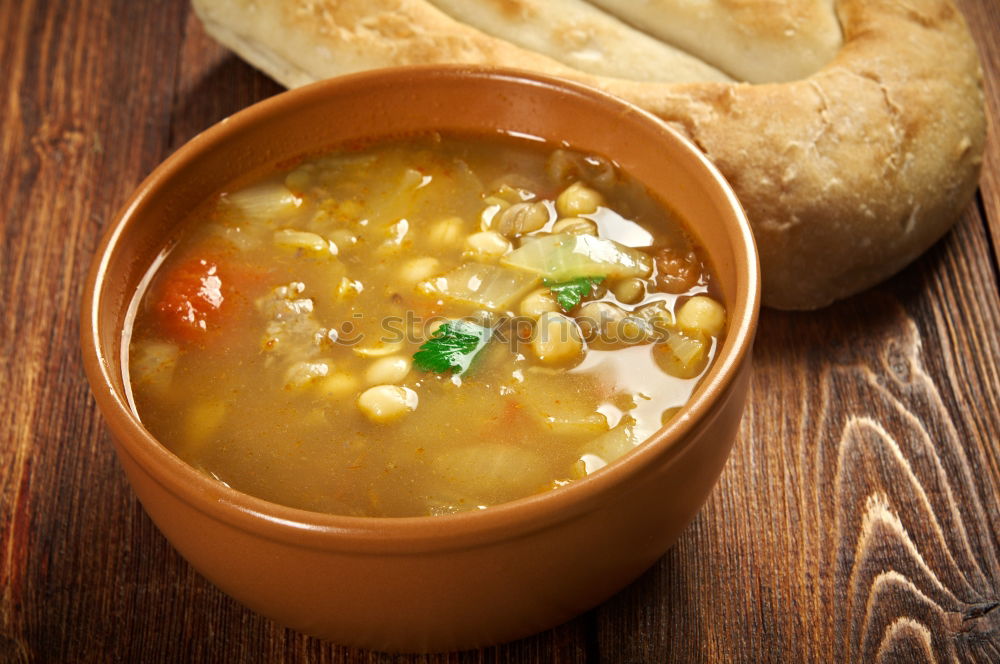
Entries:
{"x":190,"y":300}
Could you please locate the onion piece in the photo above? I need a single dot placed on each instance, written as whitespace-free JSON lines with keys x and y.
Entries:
{"x":564,"y":256}
{"x":266,"y":201}
{"x":488,"y":286}
{"x":613,"y":444}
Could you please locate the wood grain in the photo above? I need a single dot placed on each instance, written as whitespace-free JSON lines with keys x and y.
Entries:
{"x":983,"y":17}
{"x":857,"y":520}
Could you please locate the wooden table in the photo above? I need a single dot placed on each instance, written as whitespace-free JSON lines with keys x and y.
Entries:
{"x":857,"y":519}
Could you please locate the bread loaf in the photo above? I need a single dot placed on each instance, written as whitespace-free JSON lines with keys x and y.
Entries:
{"x":852,"y":132}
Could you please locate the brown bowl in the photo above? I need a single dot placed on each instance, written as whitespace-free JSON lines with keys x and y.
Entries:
{"x":446,"y":582}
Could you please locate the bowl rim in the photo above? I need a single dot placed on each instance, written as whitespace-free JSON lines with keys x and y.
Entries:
{"x":409,"y":535}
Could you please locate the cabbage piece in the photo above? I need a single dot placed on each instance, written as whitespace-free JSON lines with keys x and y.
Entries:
{"x":563,"y":256}
{"x":488,"y":286}
{"x":267,"y":201}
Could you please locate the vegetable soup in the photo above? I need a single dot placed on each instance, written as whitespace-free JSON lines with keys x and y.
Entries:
{"x":421,"y":327}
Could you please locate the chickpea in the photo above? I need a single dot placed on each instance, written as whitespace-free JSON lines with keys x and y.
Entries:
{"x":633,"y":330}
{"x":578,"y":199}
{"x":575,"y":226}
{"x":557,"y":339}
{"x":659,"y":317}
{"x":629,"y":290}
{"x":385,"y":403}
{"x":682,"y":356}
{"x":537,"y":302}
{"x":389,"y":370}
{"x":487,"y":244}
{"x":521,"y":218}
{"x":608,"y":326}
{"x":418,"y":269}
{"x":701,"y":315}
{"x":598,"y":319}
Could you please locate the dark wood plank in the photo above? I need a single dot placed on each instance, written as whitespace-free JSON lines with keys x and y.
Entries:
{"x":87,"y":105}
{"x":212,"y":84}
{"x":856,"y":521}
{"x":984,"y":18}
{"x":857,"y":518}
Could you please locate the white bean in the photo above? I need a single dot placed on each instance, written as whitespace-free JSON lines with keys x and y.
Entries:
{"x":385,"y":403}
{"x":418,"y":269}
{"x":338,"y":385}
{"x":487,"y":244}
{"x":388,"y":370}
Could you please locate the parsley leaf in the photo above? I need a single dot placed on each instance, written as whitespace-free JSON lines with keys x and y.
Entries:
{"x":453,"y":347}
{"x":569,"y":293}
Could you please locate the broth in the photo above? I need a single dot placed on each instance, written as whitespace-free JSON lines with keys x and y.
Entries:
{"x":421,"y":327}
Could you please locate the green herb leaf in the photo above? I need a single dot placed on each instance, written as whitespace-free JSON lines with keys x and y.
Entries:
{"x":453,"y":347}
{"x":569,"y":293}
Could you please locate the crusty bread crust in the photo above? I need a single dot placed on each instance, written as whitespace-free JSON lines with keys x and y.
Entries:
{"x":847,"y":174}
{"x":578,"y":34}
{"x":757,"y":41}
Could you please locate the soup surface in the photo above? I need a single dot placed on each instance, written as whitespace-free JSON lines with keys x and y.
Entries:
{"x":421,"y":327}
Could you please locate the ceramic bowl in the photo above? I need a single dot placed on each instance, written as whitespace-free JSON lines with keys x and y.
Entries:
{"x":445,"y":582}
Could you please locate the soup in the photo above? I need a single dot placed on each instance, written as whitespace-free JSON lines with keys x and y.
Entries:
{"x":421,"y":327}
